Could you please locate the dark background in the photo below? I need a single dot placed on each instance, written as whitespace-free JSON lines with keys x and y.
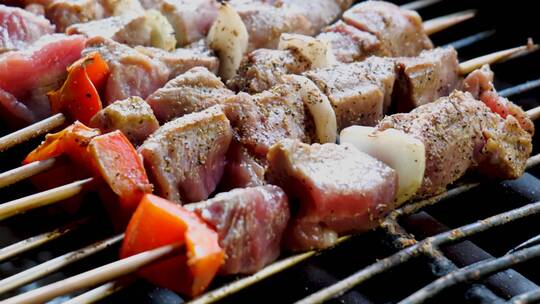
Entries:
{"x":514,"y":22}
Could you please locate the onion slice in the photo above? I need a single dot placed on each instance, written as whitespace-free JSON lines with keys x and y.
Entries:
{"x":318,"y":105}
{"x":229,"y":37}
{"x":399,"y":150}
{"x":162,"y":34}
{"x":318,"y":52}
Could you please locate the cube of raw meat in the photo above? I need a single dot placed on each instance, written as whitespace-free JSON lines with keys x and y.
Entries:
{"x":339,"y":189}
{"x":186,"y":156}
{"x":250,"y":223}
{"x":19,"y":28}
{"x":132,"y":116}
{"x":193,"y":91}
{"x":132,"y":73}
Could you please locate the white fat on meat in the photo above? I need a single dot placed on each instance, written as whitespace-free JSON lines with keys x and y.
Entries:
{"x":229,"y":37}
{"x":319,"y":107}
{"x":402,"y":152}
{"x":317,"y":51}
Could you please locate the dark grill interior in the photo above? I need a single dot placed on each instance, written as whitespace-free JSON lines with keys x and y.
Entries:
{"x":514,"y":22}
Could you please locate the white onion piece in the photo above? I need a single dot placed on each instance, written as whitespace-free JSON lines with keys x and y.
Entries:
{"x":162,"y":32}
{"x":399,"y":150}
{"x":318,"y":52}
{"x":318,"y":105}
{"x":229,"y":38}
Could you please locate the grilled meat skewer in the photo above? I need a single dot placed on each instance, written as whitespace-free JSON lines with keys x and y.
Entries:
{"x":215,"y":209}
{"x":179,"y":62}
{"x":370,"y":28}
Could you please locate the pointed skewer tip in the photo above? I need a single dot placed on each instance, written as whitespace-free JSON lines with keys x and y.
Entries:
{"x":441,"y":23}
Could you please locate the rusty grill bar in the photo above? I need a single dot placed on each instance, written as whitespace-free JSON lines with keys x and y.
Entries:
{"x":490,"y":280}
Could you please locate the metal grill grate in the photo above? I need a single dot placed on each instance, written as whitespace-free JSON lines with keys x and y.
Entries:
{"x":410,"y":259}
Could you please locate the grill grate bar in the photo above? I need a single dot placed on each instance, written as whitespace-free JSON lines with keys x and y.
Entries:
{"x":522,"y":88}
{"x":472,"y":273}
{"x":38,"y":240}
{"x":55,"y":264}
{"x":526,"y":298}
{"x":424,"y":247}
{"x":467,"y":41}
{"x":533,"y":241}
{"x":439,"y":263}
{"x":506,"y":283}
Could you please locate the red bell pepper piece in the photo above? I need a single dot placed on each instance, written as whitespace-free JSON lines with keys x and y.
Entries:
{"x":110,"y":157}
{"x":117,"y":162}
{"x":158,"y":222}
{"x":78,"y":97}
{"x":72,"y":141}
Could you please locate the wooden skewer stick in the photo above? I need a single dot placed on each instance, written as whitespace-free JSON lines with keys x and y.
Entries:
{"x":416,"y":5}
{"x":93,"y":277}
{"x":473,"y":64}
{"x":534,"y":113}
{"x":476,"y":63}
{"x":31,"y":131}
{"x":38,"y":240}
{"x":55,"y":264}
{"x":44,"y":198}
{"x":102,"y":291}
{"x":12,"y":176}
{"x":441,"y":23}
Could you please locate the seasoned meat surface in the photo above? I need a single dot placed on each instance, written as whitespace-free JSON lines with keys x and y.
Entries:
{"x":185,"y":157}
{"x":64,"y":13}
{"x":360,"y":92}
{"x":19,"y":28}
{"x":27,"y":75}
{"x":348,"y":43}
{"x":127,"y":29}
{"x":480,"y":84}
{"x":263,"y":68}
{"x":242,"y":169}
{"x":181,"y":60}
{"x":191,"y":19}
{"x":132,"y":73}
{"x":459,"y":134}
{"x":193,"y":91}
{"x":263,"y":119}
{"x":132,"y":116}
{"x":399,"y":31}
{"x":339,"y":189}
{"x":425,"y":78}
{"x":250,"y":223}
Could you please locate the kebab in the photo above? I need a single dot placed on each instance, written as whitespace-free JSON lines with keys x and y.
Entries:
{"x":299,"y":153}
{"x":368,"y":28}
{"x":166,"y":179}
{"x":188,"y":168}
{"x":253,"y":171}
{"x":101,"y":44}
